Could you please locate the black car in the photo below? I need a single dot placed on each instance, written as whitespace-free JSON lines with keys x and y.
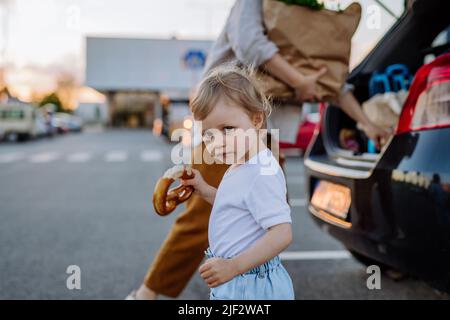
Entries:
{"x":392,"y":208}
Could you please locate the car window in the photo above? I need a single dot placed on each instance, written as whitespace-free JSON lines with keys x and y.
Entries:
{"x":442,"y":38}
{"x":12,"y":114}
{"x":377,"y":17}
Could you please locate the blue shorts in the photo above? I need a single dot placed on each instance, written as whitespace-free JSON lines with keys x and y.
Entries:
{"x":269,"y":281}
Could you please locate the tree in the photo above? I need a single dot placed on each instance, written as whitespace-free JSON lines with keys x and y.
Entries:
{"x":5,"y":95}
{"x":53,"y":99}
{"x":5,"y":91}
{"x":67,"y":90}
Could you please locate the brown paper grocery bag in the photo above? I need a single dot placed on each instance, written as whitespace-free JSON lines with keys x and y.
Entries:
{"x":309,"y":39}
{"x":383,"y":109}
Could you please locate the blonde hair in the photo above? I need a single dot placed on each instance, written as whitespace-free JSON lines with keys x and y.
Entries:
{"x":235,"y":83}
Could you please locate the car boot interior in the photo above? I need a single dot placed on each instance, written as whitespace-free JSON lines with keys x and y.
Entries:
{"x":415,"y":39}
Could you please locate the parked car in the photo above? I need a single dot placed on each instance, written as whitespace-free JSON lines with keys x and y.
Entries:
{"x":65,"y":122}
{"x":60,"y":123}
{"x":392,"y":208}
{"x":40,"y":123}
{"x":75,"y":123}
{"x":175,"y":115}
{"x":310,"y":119}
{"x":21,"y":120}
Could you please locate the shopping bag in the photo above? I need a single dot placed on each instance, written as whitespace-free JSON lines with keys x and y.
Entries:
{"x":309,"y":39}
{"x":384,"y":109}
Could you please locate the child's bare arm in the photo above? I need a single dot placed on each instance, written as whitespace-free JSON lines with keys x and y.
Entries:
{"x":216,"y":271}
{"x":201,"y":187}
{"x":272,"y":243}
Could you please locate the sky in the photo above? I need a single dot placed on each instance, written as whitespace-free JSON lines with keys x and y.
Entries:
{"x":40,"y":39}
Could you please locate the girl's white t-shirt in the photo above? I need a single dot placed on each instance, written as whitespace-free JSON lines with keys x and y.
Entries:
{"x":250,"y":199}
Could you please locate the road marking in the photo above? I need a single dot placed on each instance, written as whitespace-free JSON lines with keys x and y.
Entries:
{"x":295,"y":179}
{"x":11,"y":157}
{"x":315,"y":255}
{"x":44,"y":157}
{"x":116,"y":156}
{"x":151,"y":155}
{"x":79,"y":157}
{"x":297,"y":202}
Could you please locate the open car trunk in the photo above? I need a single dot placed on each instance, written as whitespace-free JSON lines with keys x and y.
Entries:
{"x":411,"y":42}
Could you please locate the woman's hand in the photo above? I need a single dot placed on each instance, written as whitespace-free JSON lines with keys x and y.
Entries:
{"x":201,"y":187}
{"x":306,"y":86}
{"x":351,"y":106}
{"x":216,"y":271}
{"x":375,"y":133}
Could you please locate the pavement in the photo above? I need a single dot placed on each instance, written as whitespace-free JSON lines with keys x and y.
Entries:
{"x":85,"y":200}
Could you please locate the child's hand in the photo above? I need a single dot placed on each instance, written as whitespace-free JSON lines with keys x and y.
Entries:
{"x":201,"y":187}
{"x":216,"y":271}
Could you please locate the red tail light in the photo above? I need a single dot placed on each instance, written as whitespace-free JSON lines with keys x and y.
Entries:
{"x":428,"y":102}
{"x":322,"y":107}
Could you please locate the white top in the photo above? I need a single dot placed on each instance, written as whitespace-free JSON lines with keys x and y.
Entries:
{"x":250,"y":199}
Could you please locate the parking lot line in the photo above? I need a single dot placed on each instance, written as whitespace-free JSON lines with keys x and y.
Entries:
{"x":151,"y":155}
{"x":11,"y":157}
{"x":78,"y":157}
{"x":315,"y":255}
{"x":300,"y":202}
{"x":44,"y":157}
{"x":116,"y":156}
{"x":296,"y":179}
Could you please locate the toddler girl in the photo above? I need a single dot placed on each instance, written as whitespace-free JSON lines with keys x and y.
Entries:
{"x":250,"y":222}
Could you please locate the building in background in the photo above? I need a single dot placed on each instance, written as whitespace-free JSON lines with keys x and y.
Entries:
{"x":133,"y":74}
{"x":91,"y":108}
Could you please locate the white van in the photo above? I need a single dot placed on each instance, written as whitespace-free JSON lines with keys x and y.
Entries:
{"x":23,"y":120}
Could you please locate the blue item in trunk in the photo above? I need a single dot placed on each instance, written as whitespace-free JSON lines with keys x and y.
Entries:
{"x":396,"y":77}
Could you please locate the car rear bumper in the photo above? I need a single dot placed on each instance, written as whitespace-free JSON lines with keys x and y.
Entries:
{"x":400,"y":208}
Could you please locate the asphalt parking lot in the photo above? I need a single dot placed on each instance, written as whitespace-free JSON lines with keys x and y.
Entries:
{"x":85,"y":200}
